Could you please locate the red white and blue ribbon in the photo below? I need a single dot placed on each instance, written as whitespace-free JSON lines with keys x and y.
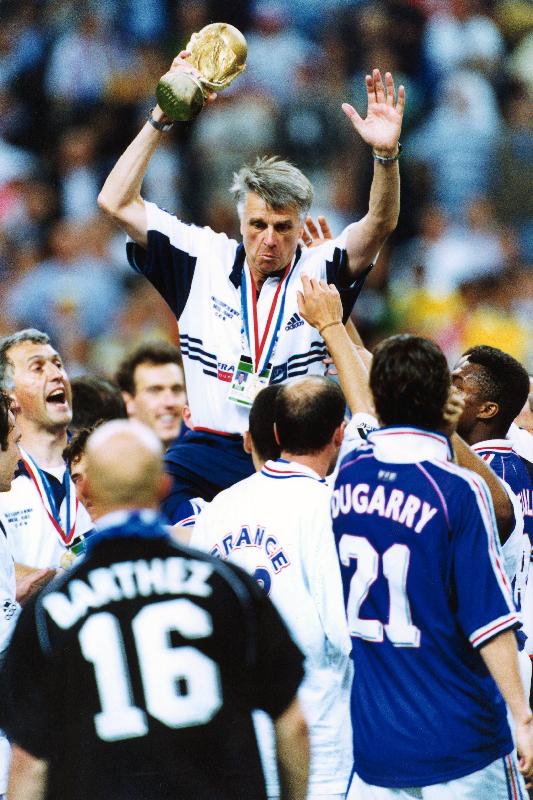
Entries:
{"x":42,"y":484}
{"x":261,"y":347}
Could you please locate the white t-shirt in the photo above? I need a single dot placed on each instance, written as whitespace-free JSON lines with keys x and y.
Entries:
{"x":199,"y":272}
{"x":522,"y":441}
{"x":277,"y":526}
{"x":33,"y":538}
{"x":9,"y":611}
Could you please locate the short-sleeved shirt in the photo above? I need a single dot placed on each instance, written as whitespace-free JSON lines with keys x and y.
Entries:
{"x":199,"y":272}
{"x":276,"y":525}
{"x":135,"y":674}
{"x":34,"y":538}
{"x":501,"y":456}
{"x":424,"y":588}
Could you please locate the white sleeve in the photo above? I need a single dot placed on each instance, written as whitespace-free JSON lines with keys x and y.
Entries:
{"x":190,"y":239}
{"x":200,"y":533}
{"x":355,"y":433}
{"x":322,"y":567}
{"x":522,"y":441}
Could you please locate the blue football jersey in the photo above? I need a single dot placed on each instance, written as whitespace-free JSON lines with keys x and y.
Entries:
{"x":424,"y":587}
{"x":512,"y":469}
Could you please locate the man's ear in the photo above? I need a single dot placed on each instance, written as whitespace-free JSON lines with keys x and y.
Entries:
{"x":129,"y":401}
{"x":338,"y":434}
{"x":276,"y":435}
{"x":488,"y":410}
{"x":14,"y":405}
{"x":247,"y":442}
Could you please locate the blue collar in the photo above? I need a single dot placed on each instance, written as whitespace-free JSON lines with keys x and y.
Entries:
{"x":139,"y":524}
{"x":235,"y":275}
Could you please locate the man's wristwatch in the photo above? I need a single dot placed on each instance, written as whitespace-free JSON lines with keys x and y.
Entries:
{"x":159,"y":126}
{"x":387,"y":159}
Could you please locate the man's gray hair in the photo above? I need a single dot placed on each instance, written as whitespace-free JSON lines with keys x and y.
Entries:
{"x":6,"y":343}
{"x":279,"y":183}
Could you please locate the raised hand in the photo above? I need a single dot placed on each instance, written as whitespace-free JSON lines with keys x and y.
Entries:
{"x":181,"y":62}
{"x":319,"y":303}
{"x":382,"y":125}
{"x":311,"y":236}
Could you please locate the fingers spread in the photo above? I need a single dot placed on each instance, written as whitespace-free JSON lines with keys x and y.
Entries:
{"x":389,"y":83}
{"x":400,"y":105}
{"x":324,"y":228}
{"x":378,"y":86}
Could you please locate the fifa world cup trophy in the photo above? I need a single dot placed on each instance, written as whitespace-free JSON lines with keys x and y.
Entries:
{"x":218,"y":52}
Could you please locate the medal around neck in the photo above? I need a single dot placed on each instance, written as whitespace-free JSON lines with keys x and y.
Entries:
{"x":219,"y":53}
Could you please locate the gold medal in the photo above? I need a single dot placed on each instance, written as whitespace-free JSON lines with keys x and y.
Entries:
{"x":67,"y":559}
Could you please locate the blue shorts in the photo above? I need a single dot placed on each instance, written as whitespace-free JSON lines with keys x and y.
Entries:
{"x":201,"y":464}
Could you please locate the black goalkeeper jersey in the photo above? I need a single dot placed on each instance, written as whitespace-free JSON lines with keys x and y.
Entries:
{"x":135,"y":674}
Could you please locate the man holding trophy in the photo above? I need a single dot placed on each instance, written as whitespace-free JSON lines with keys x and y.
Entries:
{"x":236,"y":303}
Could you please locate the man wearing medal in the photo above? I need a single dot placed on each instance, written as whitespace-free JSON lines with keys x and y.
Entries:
{"x":47,"y":523}
{"x":236,"y":303}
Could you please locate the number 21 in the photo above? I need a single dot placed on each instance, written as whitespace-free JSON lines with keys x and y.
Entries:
{"x":399,"y":629}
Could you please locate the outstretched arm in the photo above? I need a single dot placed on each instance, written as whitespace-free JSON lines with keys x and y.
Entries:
{"x":381,"y":130}
{"x":121,"y":193}
{"x":320,"y":305}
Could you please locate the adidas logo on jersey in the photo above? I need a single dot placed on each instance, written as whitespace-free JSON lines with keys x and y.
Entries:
{"x":294,"y":322}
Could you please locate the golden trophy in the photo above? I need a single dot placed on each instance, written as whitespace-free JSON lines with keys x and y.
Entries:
{"x":218,"y":52}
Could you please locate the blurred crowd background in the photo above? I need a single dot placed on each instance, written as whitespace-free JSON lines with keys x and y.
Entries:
{"x":77,"y":80}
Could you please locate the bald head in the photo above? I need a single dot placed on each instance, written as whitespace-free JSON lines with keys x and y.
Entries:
{"x":124,"y":467}
{"x":307,"y":413}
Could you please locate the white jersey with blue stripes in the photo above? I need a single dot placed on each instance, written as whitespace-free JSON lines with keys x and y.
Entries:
{"x":198,"y":272}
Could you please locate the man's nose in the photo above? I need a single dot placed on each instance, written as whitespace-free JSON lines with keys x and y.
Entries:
{"x":270,"y":236}
{"x":169,"y":397}
{"x":54,"y":371}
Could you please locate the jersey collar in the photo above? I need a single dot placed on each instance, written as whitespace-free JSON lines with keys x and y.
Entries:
{"x":499,"y":445}
{"x":143,"y":523}
{"x":403,"y":445}
{"x":238,"y":266}
{"x":282,"y":469}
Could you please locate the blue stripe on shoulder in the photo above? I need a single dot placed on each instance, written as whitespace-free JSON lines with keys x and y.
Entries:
{"x":169,"y":269}
{"x":334,"y":270}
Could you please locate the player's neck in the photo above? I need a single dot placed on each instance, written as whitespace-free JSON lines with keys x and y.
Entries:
{"x":44,"y":446}
{"x":483,"y":433}
{"x":318,"y":462}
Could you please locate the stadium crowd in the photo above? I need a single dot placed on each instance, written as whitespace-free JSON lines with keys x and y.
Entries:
{"x":74,"y":89}
{"x":354,"y":618}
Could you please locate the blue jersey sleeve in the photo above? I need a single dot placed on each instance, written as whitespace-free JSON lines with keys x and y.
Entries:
{"x":484,"y":605}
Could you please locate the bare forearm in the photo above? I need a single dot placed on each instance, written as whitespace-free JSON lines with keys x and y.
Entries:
{"x":503,"y":508}
{"x":120,"y":196}
{"x":384,"y":203}
{"x":292,"y":749}
{"x":123,"y":184}
{"x":353,"y":333}
{"x":353,"y":374}
{"x":27,"y":777}
{"x":367,"y":236}
{"x":501,"y":658}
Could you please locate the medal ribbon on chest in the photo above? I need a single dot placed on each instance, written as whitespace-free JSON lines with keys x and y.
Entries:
{"x":42,"y":484}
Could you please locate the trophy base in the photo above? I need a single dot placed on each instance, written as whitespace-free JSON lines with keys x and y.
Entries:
{"x":180,"y":96}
